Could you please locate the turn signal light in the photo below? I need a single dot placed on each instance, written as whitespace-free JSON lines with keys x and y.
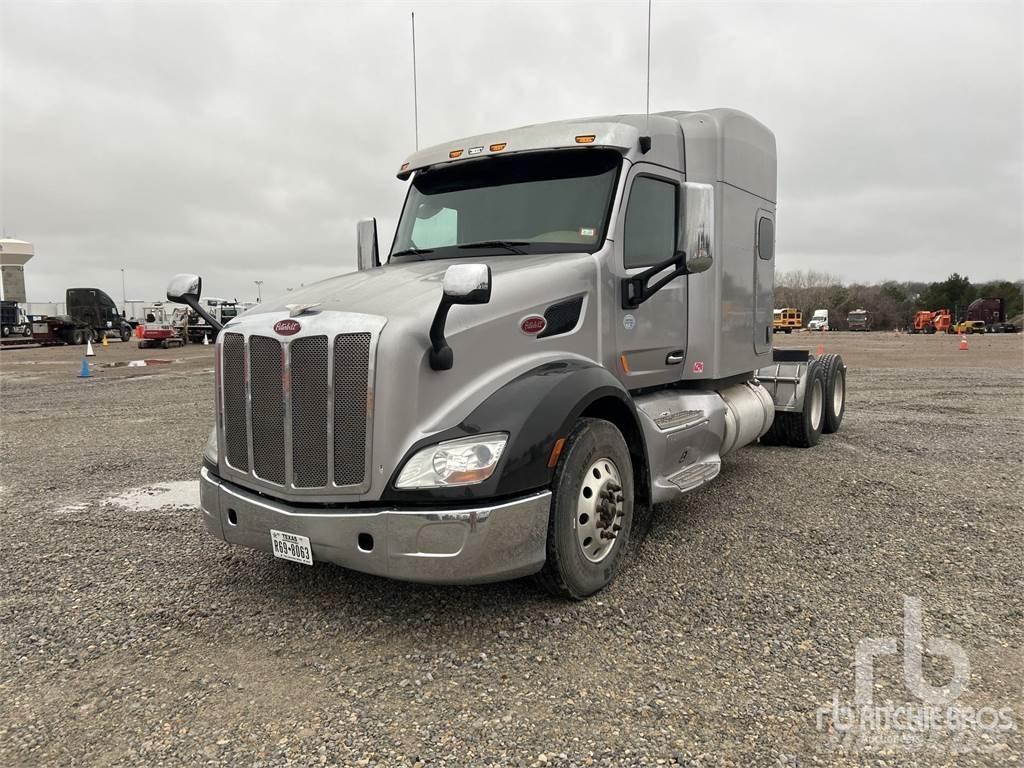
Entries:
{"x":497,"y":147}
{"x":587,"y":139}
{"x":455,"y":153}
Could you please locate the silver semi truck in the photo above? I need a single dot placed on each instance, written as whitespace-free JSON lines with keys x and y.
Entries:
{"x":574,"y":323}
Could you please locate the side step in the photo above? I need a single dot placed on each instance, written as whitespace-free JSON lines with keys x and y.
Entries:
{"x":695,"y":475}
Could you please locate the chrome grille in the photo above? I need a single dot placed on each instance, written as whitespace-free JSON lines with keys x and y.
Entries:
{"x":295,"y":412}
{"x":351,"y":363}
{"x":236,"y":431}
{"x":266,"y":378}
{"x":308,"y":367}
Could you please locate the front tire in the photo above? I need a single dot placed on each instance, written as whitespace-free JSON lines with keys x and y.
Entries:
{"x":591,"y":512}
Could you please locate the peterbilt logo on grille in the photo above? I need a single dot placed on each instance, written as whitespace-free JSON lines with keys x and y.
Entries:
{"x":287,"y":327}
{"x":533,"y":325}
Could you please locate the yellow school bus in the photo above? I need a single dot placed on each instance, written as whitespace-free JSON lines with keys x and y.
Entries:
{"x":787,"y":319}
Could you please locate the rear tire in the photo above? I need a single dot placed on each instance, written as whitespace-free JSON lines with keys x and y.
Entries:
{"x":801,"y":430}
{"x":835,"y":391}
{"x":584,"y":505}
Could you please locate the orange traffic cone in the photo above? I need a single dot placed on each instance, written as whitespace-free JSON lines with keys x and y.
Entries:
{"x":963,"y":343}
{"x":821,"y":350}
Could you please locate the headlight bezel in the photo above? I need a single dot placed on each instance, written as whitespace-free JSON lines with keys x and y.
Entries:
{"x":420,"y":471}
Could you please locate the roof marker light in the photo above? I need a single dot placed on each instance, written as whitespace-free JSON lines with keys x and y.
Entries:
{"x":586,"y":139}
{"x":498,"y":147}
{"x":455,"y":153}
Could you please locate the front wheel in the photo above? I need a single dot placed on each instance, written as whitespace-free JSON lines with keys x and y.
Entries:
{"x":126,"y":333}
{"x":591,"y":511}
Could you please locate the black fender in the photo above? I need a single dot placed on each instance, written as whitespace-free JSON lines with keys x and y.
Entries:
{"x":536,"y":409}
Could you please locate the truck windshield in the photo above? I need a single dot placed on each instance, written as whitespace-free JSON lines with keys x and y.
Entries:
{"x":543,"y":202}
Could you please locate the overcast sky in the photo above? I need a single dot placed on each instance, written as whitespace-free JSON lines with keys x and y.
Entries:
{"x":243,"y":140}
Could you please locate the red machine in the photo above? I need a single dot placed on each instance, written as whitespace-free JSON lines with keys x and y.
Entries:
{"x":161,"y":328}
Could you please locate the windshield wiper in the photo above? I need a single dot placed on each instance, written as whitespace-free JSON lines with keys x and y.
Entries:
{"x":412,"y":252}
{"x":508,"y":245}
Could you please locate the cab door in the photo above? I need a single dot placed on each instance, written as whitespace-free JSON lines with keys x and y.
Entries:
{"x":650,"y":339}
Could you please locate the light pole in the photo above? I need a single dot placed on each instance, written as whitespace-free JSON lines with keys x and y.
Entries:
{"x":259,"y":290}
{"x":124,"y":293}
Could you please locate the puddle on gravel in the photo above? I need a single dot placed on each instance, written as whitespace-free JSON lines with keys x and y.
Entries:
{"x":149,"y":498}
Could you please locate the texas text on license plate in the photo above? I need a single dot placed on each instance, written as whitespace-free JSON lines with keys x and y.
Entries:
{"x":291,"y":546}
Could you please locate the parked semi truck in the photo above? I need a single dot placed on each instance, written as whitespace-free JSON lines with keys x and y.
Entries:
{"x":818,"y":321}
{"x":858,"y":320}
{"x":221,"y":310}
{"x":97,"y":312}
{"x":574,"y":323}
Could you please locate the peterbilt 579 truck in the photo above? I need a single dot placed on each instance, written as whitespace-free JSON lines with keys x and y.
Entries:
{"x":574,"y":323}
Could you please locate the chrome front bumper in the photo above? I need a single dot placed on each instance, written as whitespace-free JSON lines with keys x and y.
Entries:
{"x":441,"y":546}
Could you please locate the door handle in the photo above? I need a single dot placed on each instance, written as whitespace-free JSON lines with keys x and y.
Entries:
{"x":675,"y":358}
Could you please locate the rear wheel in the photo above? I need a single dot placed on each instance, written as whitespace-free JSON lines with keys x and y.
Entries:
{"x":835,"y":391}
{"x":78,"y":336}
{"x":801,"y":430}
{"x":591,"y":511}
{"x":5,"y":331}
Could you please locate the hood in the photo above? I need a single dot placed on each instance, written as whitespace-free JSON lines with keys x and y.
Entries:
{"x":405,"y":290}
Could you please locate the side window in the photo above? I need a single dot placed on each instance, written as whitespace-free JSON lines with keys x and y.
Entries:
{"x":765,"y":238}
{"x":650,"y":232}
{"x":437,"y":229}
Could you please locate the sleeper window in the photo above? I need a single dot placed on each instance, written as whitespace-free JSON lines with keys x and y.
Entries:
{"x":765,"y":238}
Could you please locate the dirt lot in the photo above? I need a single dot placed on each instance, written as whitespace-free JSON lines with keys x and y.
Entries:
{"x":129,"y":636}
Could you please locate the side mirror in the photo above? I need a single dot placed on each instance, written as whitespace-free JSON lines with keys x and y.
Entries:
{"x":183,"y":287}
{"x":186,"y":289}
{"x":698,"y":232}
{"x":367,"y":252}
{"x":467,"y":284}
{"x":462,"y":284}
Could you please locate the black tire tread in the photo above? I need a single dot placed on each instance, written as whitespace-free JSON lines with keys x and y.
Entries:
{"x":549,"y":578}
{"x":832,"y":365}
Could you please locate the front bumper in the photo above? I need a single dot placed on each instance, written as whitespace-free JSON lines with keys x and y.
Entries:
{"x":442,"y":546}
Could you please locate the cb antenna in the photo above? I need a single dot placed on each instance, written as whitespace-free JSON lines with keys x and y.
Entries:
{"x":415,"y":94}
{"x":645,"y":141}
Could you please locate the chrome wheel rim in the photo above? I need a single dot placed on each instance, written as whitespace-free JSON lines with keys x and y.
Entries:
{"x":838,"y":393}
{"x":599,"y":510}
{"x":816,"y":404}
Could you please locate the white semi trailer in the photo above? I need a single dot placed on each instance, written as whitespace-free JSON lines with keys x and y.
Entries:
{"x":574,"y":323}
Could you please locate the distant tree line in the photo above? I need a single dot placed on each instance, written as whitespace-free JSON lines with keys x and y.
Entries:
{"x":891,"y":304}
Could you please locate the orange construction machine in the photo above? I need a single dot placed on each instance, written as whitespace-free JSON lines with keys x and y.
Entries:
{"x":942,"y":320}
{"x":922,"y":322}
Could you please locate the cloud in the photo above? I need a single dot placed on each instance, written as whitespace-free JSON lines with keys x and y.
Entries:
{"x":243,"y":141}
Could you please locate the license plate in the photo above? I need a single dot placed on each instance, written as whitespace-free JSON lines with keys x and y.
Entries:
{"x":291,"y":546}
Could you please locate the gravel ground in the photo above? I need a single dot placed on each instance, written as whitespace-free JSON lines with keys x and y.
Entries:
{"x":129,"y":636}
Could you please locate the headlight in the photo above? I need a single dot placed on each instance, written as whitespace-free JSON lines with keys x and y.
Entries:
{"x":211,"y":446}
{"x":465,"y":461}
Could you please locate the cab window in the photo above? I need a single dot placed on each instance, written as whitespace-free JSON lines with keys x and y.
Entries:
{"x":650,"y":228}
{"x":435,"y":227}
